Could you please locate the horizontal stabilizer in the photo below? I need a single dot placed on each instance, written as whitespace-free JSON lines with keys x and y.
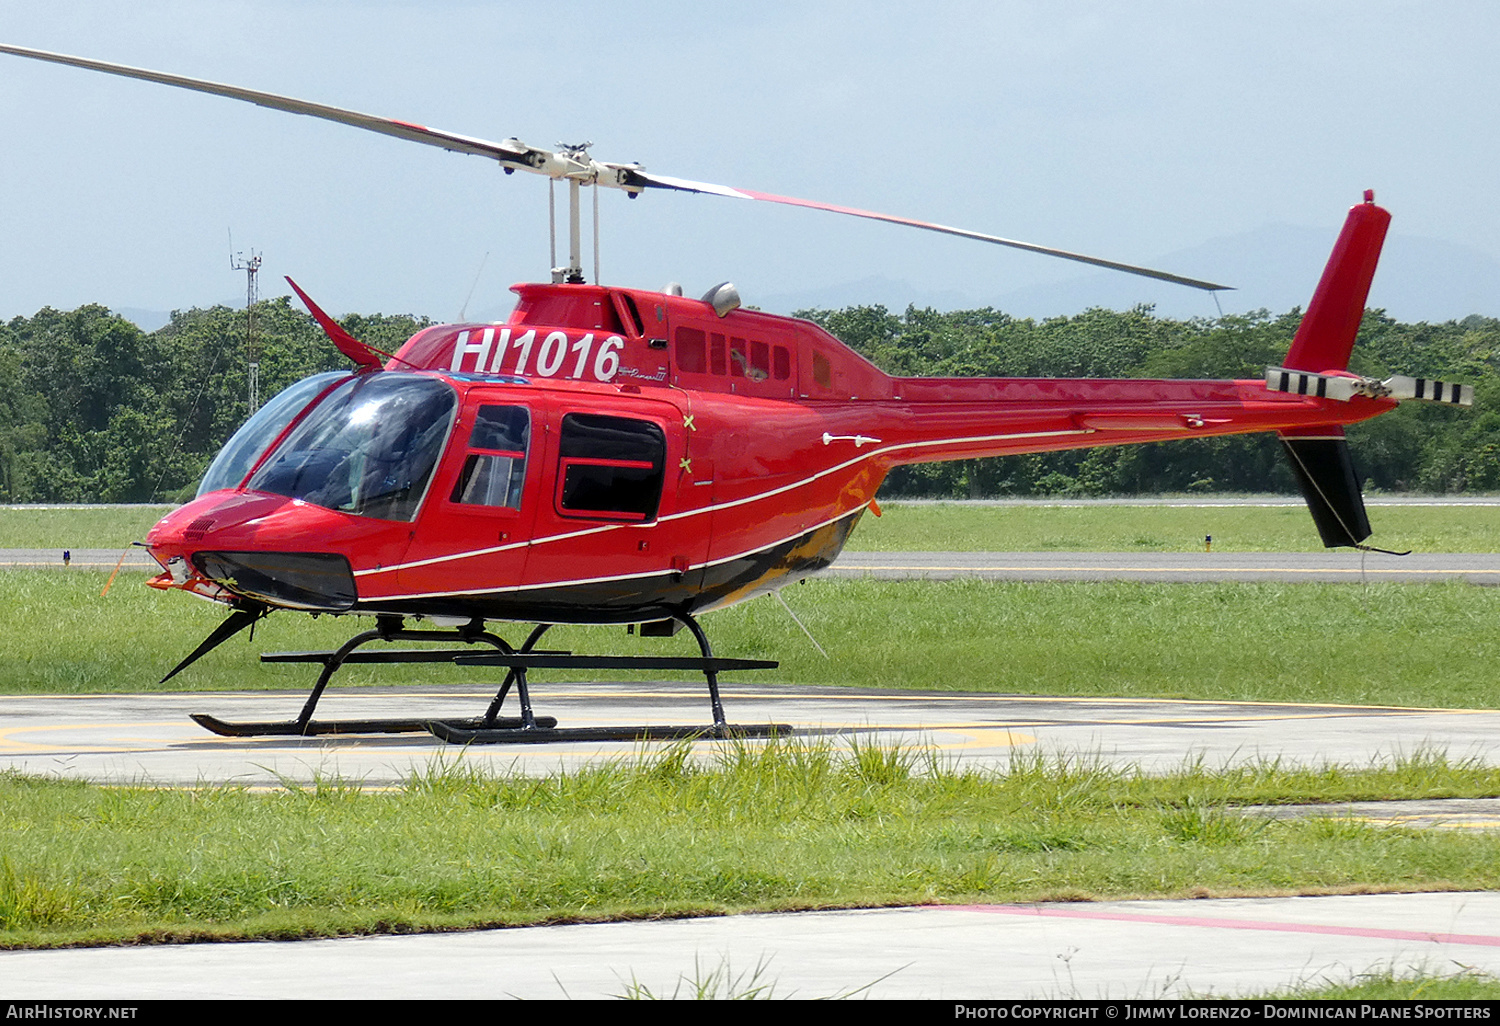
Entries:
{"x":1433,"y":391}
{"x":1345,"y":387}
{"x":1324,"y":386}
{"x":1325,"y":473}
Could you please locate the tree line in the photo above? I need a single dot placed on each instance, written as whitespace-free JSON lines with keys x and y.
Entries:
{"x":1420,"y":447}
{"x":97,"y":410}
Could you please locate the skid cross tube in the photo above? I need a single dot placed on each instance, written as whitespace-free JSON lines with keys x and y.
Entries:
{"x":491,"y":727}
{"x":519,"y":663}
{"x":393,"y":629}
{"x":516,"y":676}
{"x":387,"y":628}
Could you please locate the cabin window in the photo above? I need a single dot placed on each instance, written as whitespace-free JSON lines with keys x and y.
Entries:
{"x":738,"y":362}
{"x":690,"y":354}
{"x":632,"y":314}
{"x":610,"y":468}
{"x":781,"y":364}
{"x":495,"y":469}
{"x":822,"y":371}
{"x":760,"y":361}
{"x":567,"y":308}
{"x":716,"y":363}
{"x":256,"y":434}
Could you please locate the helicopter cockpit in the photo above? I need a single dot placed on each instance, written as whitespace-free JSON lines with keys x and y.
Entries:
{"x":368,"y":448}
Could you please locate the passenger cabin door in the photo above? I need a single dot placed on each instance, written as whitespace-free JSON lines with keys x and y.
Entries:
{"x":607,"y":535}
{"x":471,"y":535}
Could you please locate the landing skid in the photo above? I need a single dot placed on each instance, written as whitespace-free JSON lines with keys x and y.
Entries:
{"x":452,"y":732}
{"x":492,"y":728}
{"x":317,"y":728}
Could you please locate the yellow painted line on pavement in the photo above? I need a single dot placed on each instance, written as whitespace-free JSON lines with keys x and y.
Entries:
{"x":10,"y":745}
{"x":604,"y":692}
{"x":1157,"y":570}
{"x":1435,"y":821}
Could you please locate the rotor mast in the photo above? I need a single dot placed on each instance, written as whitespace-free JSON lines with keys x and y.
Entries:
{"x":585,"y":171}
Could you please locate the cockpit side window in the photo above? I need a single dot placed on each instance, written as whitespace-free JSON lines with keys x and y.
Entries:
{"x":495,"y":469}
{"x":610,"y":468}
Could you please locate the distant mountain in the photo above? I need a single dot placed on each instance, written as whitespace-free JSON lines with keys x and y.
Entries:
{"x":1275,"y":267}
{"x":146,"y":320}
{"x":872,"y":291}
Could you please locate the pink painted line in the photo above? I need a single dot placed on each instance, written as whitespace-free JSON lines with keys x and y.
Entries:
{"x":1231,"y":924}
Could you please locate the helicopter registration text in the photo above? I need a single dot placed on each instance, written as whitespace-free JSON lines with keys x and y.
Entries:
{"x":501,"y":351}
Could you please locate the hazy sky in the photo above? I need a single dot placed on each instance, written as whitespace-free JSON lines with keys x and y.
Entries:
{"x":1128,"y":130}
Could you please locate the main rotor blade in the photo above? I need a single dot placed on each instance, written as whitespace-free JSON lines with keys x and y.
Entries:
{"x":510,"y":152}
{"x":684,"y":185}
{"x":515,"y":155}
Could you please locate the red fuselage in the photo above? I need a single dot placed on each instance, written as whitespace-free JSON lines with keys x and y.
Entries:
{"x":611,"y":455}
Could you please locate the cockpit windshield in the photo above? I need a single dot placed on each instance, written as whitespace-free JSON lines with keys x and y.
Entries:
{"x":369,"y":448}
{"x":242,"y":450}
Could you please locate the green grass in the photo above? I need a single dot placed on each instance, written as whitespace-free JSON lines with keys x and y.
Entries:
{"x":1385,"y":644}
{"x":962,"y":527}
{"x":789,"y":825}
{"x":967,"y":527}
{"x":1389,"y":984}
{"x":77,"y":528}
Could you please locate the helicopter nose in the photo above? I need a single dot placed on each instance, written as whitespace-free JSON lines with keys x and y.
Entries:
{"x":320,"y":581}
{"x":184,"y":530}
{"x":256,"y":547}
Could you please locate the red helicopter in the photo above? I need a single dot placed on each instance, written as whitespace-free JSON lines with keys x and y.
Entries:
{"x":620,"y":456}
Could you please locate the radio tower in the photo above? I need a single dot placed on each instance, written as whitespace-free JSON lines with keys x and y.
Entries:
{"x":251,"y":266}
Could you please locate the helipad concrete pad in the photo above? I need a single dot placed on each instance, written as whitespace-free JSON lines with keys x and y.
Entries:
{"x":148,"y":738}
{"x":1100,"y":949}
{"x":1115,"y":949}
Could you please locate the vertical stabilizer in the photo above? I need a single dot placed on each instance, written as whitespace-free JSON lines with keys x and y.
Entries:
{"x":1326,"y":335}
{"x":1325,"y":473}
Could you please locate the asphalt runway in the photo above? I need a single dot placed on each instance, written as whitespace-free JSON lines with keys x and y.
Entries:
{"x":1172,"y":567}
